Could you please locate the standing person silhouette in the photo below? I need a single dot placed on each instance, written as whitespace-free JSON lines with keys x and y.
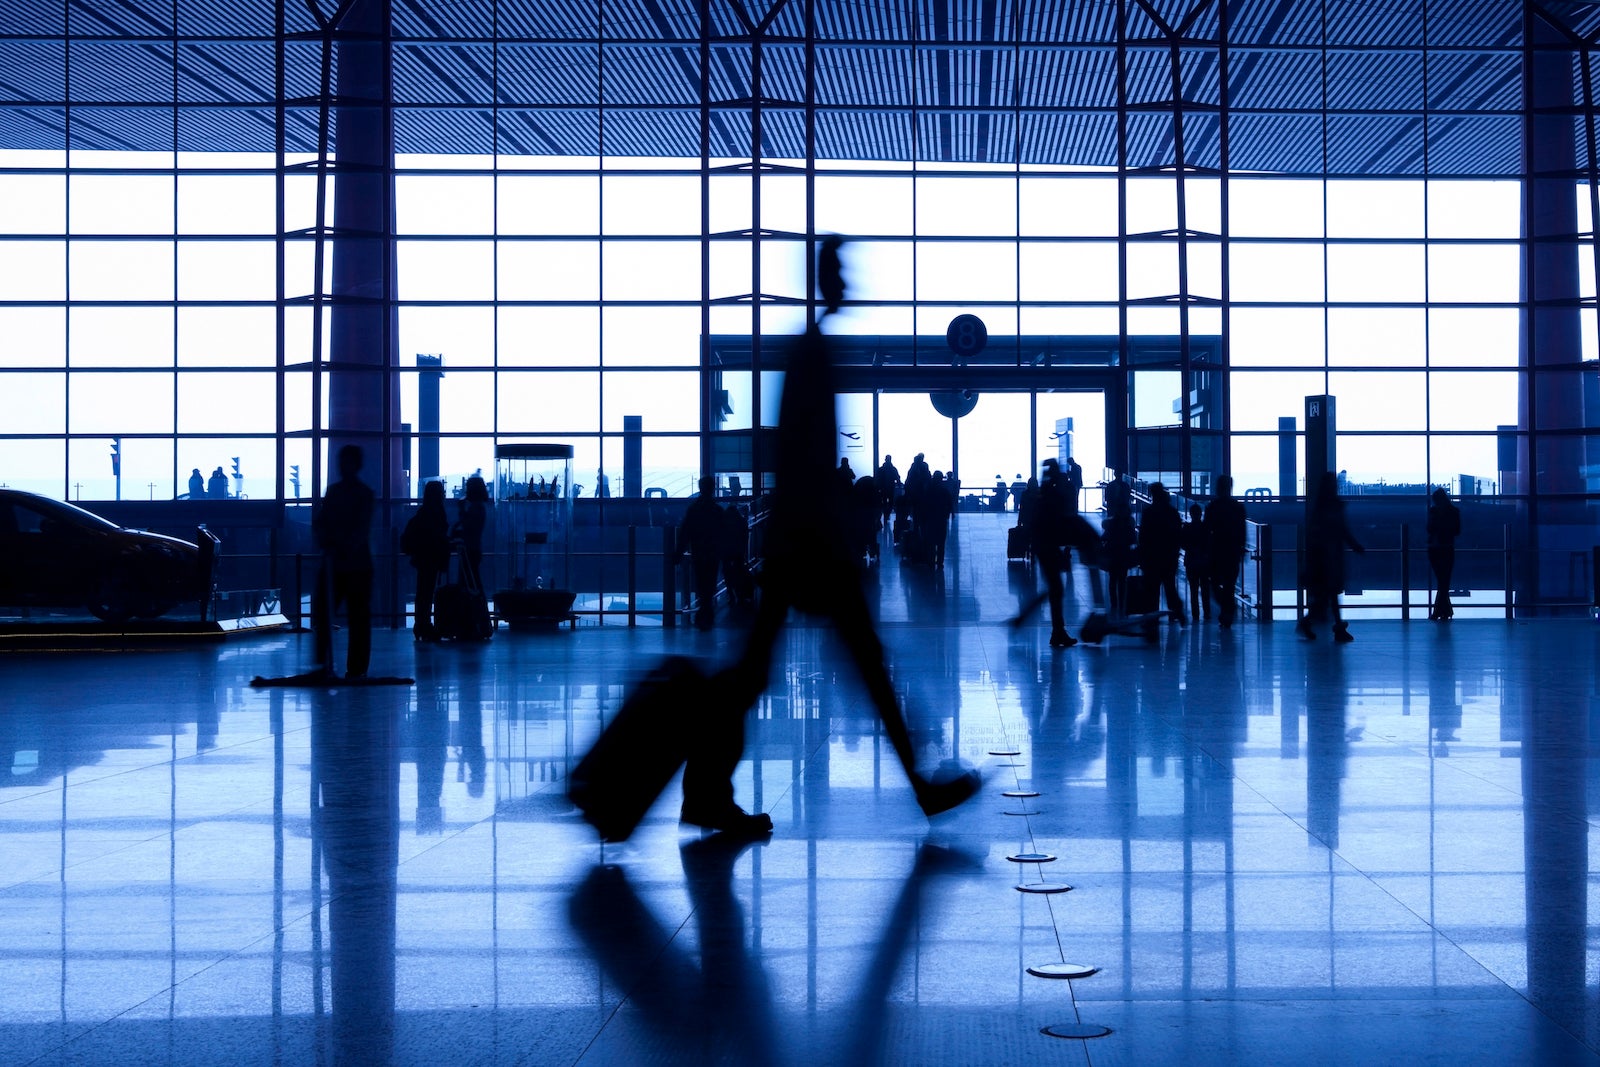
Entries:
{"x":1196,"y":566}
{"x":888,"y":481}
{"x":701,"y":536}
{"x":1074,"y":475}
{"x":343,"y":529}
{"x":808,"y":566}
{"x":217,"y":487}
{"x":197,"y":485}
{"x":471,"y":517}
{"x":1225,"y":529}
{"x":1444,"y":526}
{"x":1160,"y":539}
{"x":1050,"y":528}
{"x":1327,"y":534}
{"x":426,"y":540}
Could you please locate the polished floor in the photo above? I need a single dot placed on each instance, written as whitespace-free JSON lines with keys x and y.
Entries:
{"x":1280,"y":852}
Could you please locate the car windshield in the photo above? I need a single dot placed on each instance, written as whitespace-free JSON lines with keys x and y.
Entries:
{"x":58,"y":509}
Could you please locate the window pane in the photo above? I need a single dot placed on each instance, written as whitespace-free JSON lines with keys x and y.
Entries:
{"x":1472,"y":401}
{"x":121,"y":203}
{"x":548,"y":204}
{"x":1275,"y":272}
{"x":551,"y":270}
{"x":1474,"y":337}
{"x":1069,"y":207}
{"x":32,"y":403}
{"x":1474,"y":273}
{"x":977,"y":207}
{"x":1475,"y":209}
{"x":1369,"y":337}
{"x":1467,"y":465}
{"x":122,"y":270}
{"x":650,"y":205}
{"x":878,"y":270}
{"x":227,"y":403}
{"x":113,"y":402}
{"x":1076,"y":271}
{"x":1375,"y":273}
{"x":549,"y":402}
{"x":969,"y":270}
{"x":1375,"y":208}
{"x":33,"y":337}
{"x":227,"y":204}
{"x":121,"y":337}
{"x":666,"y":400}
{"x":550,"y":336}
{"x":1381,"y":461}
{"x":463,"y":336}
{"x":34,"y":466}
{"x":444,"y":204}
{"x":1255,"y":465}
{"x":1274,"y":208}
{"x":227,"y":270}
{"x":1258,"y":398}
{"x":33,"y":203}
{"x":864,"y":206}
{"x":445,"y":270}
{"x":651,"y":270}
{"x":34,"y":270}
{"x":643,"y":336}
{"x":227,"y":336}
{"x":1380,"y":400}
{"x":1265,"y":337}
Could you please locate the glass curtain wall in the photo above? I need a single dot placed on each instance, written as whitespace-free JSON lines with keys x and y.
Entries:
{"x":582,"y":192}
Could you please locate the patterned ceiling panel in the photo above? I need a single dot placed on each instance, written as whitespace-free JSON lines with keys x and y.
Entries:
{"x":979,"y":80}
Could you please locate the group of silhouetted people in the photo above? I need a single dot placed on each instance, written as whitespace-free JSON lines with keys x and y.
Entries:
{"x":214,"y":489}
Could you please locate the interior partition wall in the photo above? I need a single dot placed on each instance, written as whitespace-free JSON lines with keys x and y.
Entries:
{"x":1392,"y":205}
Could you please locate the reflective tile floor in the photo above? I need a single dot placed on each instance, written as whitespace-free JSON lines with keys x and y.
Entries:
{"x":1279,"y":852}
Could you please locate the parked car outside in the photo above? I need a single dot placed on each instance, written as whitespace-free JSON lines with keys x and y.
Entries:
{"x":57,"y":555}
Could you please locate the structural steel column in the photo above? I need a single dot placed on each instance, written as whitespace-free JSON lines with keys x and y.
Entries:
{"x":1550,"y":398}
{"x":363,"y":389}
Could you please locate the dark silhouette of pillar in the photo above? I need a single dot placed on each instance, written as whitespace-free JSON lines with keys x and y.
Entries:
{"x":633,"y":455}
{"x":1554,"y":396}
{"x":363,"y":390}
{"x":430,"y":370}
{"x":1288,"y":462}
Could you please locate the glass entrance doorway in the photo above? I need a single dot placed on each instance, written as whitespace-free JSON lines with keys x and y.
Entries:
{"x":1004,"y":437}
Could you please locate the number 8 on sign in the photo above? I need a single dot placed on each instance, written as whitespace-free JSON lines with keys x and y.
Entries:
{"x":967,"y":336}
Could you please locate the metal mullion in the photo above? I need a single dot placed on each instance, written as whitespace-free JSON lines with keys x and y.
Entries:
{"x":1323,"y":8}
{"x":600,"y":248}
{"x":66,"y":266}
{"x":757,"y":350}
{"x":1427,"y":287}
{"x":177,"y":340}
{"x":1225,"y":374}
{"x":1121,"y":456}
{"x":1180,"y":191}
{"x":280,"y":146}
{"x":707,"y":397}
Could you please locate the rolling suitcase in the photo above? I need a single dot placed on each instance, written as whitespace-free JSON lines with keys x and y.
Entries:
{"x":1017,"y":543}
{"x":637,"y":755}
{"x":460,"y":612}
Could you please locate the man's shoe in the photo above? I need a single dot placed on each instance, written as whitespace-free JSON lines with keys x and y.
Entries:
{"x":729,"y":820}
{"x":1304,"y":631}
{"x":1341,"y":634}
{"x":1062,"y":639}
{"x":937,"y":797}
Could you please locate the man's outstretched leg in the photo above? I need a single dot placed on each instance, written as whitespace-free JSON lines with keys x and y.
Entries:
{"x":854,"y":625}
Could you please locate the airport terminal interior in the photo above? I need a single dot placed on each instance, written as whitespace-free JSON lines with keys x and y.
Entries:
{"x":556,"y":258}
